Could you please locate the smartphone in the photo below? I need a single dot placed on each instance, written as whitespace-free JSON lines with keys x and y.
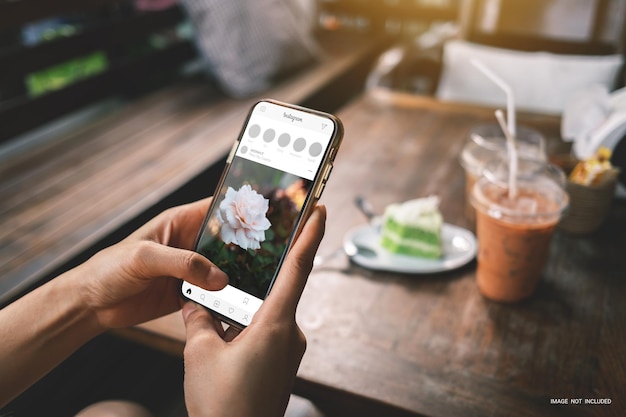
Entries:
{"x":274,"y":175}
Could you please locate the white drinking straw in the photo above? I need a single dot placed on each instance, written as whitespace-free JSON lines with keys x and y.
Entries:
{"x":512,"y":153}
{"x":510,"y":98}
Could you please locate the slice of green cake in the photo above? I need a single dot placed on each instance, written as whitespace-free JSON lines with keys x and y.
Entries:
{"x":413,"y":228}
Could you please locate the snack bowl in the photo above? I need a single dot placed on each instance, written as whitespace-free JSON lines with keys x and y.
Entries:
{"x":589,"y":204}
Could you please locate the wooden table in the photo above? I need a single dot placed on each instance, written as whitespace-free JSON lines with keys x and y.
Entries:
{"x":389,"y":344}
{"x":85,"y":185}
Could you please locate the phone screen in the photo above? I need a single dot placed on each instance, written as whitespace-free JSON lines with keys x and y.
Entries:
{"x":259,"y":204}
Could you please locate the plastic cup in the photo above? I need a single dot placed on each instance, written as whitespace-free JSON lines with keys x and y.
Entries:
{"x":514,"y":235}
{"x":486,"y":142}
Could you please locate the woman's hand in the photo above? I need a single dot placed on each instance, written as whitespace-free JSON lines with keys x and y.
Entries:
{"x":128,"y":283}
{"x":138,"y":279}
{"x":251,"y":373}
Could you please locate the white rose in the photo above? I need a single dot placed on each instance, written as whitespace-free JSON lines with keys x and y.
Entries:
{"x":242,"y":216}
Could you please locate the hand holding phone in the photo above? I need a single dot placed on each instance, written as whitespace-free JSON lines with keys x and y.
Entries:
{"x":270,"y":349}
{"x":274,"y":176}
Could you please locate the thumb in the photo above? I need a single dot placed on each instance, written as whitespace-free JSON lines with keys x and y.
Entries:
{"x":199,"y":325}
{"x":283,"y":299}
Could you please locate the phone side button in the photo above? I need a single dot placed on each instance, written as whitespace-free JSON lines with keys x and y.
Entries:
{"x":333,"y":153}
{"x":318,"y":192}
{"x":233,"y":150}
{"x":327,"y":170}
{"x":328,"y":173}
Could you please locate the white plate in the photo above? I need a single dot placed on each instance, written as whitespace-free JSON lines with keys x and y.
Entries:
{"x":362,"y":245}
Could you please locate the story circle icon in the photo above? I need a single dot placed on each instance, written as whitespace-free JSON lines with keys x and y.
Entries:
{"x":299,"y":144}
{"x":284,"y":139}
{"x":269,"y":135}
{"x":254,"y":131}
{"x":315,"y":149}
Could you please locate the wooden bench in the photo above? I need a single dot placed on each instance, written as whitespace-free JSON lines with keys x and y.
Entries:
{"x":118,"y":155}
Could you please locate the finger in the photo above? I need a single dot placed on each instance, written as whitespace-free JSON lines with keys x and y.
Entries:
{"x":283,"y":299}
{"x":176,"y":226}
{"x":200,"y":206}
{"x":217,"y":323}
{"x":199,"y":323}
{"x":185,"y":223}
{"x":156,"y":260}
{"x":195,"y":212}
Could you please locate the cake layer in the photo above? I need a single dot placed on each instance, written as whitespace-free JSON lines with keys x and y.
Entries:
{"x":430,"y":235}
{"x":410,"y":247}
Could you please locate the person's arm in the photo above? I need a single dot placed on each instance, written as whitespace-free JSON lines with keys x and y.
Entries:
{"x":251,"y":373}
{"x":125,"y":284}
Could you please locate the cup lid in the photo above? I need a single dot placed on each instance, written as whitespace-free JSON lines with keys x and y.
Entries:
{"x":497,"y":171}
{"x":490,"y":136}
{"x":541,"y":191}
{"x":486,"y":141}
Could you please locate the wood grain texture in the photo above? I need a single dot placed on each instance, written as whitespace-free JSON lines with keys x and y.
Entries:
{"x":76,"y":188}
{"x":400,"y":344}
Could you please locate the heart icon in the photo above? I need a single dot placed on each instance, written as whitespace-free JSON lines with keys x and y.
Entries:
{"x":231,"y":310}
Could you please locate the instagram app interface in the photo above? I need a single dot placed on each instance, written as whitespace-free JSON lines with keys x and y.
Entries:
{"x":259,"y":204}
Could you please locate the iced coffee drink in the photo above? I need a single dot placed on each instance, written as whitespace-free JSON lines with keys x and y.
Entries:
{"x":514,"y":234}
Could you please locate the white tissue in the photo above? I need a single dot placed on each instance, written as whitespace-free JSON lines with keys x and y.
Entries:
{"x":584,"y":113}
{"x":593,"y":118}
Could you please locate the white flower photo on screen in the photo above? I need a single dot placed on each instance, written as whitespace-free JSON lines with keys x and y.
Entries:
{"x":242,"y":215}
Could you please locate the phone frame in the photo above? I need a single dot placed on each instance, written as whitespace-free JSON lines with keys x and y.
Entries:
{"x":319,"y":182}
